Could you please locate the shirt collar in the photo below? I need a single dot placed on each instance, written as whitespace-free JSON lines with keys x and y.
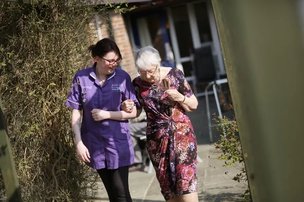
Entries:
{"x":93,"y":73}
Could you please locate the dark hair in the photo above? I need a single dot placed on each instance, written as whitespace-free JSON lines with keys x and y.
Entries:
{"x":104,"y":46}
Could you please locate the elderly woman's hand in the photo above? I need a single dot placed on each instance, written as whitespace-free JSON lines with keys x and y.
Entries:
{"x":174,"y":95}
{"x":127,"y":105}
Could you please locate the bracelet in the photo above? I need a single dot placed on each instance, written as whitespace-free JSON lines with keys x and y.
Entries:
{"x":184,"y":99}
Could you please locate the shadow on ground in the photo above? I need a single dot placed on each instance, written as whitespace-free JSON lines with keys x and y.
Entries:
{"x":227,"y":197}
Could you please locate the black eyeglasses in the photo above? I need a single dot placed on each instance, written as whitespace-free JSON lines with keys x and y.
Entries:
{"x":112,"y":61}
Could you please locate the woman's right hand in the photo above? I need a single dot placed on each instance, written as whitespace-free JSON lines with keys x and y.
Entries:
{"x":127,"y":105}
{"x":82,"y":152}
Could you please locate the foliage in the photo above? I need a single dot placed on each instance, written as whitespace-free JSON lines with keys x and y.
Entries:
{"x":229,"y":142}
{"x":42,"y":45}
{"x":230,"y":146}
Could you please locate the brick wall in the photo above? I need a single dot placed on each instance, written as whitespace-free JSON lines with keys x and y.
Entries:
{"x":98,"y":29}
{"x":97,"y":23}
{"x":122,"y":39}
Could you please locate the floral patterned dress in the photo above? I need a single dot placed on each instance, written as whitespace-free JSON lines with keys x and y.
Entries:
{"x":171,"y":142}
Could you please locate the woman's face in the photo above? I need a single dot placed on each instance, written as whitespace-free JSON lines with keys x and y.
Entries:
{"x":108,"y":63}
{"x":151,"y":74}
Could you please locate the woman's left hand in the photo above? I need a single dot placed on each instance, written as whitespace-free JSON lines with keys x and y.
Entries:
{"x":174,"y":95}
{"x":99,"y":115}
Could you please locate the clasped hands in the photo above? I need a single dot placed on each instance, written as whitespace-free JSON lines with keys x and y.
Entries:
{"x":127,"y":105}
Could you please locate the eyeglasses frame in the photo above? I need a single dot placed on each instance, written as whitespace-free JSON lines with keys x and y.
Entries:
{"x":112,"y":61}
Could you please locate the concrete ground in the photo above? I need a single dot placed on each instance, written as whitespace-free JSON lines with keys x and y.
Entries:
{"x":216,"y":182}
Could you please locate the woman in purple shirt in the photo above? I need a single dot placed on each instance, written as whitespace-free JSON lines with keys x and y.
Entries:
{"x":101,"y":130}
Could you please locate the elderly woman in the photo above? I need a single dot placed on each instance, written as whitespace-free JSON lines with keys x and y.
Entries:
{"x":165,"y":95}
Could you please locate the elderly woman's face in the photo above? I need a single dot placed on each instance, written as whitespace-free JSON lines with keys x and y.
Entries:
{"x":151,"y":74}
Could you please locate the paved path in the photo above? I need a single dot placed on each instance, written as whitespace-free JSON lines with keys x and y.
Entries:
{"x":215,"y":180}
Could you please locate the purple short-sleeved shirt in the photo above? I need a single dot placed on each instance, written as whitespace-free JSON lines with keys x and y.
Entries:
{"x":108,"y":141}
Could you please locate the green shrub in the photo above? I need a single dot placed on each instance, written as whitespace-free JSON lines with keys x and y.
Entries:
{"x":231,"y":150}
{"x":42,"y":46}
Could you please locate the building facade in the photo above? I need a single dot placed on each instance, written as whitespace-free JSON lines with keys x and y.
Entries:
{"x":176,"y":28}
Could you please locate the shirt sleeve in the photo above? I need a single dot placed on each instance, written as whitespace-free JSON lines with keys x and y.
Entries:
{"x":74,"y":96}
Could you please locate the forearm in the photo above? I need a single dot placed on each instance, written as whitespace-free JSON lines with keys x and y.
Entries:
{"x":122,"y":115}
{"x":76,"y":125}
{"x":189,"y":103}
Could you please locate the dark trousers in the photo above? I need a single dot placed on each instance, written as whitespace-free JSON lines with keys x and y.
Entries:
{"x":116,"y":183}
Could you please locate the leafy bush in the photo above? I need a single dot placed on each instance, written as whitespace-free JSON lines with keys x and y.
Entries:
{"x":229,"y":142}
{"x":230,"y":146}
{"x":42,"y":45}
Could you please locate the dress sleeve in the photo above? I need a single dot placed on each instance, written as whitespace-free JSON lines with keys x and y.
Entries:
{"x":137,"y":93}
{"x":184,"y":86}
{"x":74,"y":96}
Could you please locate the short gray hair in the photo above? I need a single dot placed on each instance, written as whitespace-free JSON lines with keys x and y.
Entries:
{"x":146,"y":57}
